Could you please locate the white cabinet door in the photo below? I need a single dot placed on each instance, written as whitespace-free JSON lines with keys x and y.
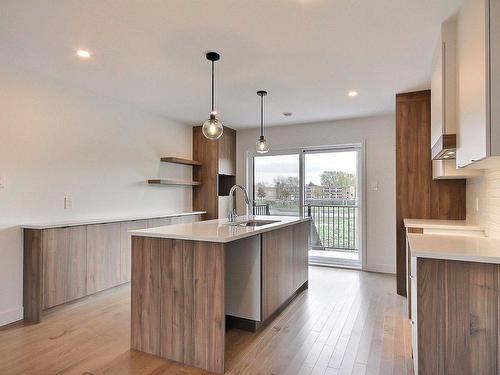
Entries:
{"x":437,"y":128}
{"x":472,"y":142}
{"x":495,"y":75}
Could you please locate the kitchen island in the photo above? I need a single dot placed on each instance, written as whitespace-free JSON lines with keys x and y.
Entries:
{"x":190,"y":280}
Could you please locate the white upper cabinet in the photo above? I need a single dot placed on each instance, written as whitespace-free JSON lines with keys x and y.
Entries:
{"x":444,"y":106}
{"x":478,"y":61}
{"x":444,"y":83}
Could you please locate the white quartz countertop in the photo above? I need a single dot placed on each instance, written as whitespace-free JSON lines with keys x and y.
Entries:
{"x":450,"y":247}
{"x":72,"y":223}
{"x":441,"y":224}
{"x":218,"y":230}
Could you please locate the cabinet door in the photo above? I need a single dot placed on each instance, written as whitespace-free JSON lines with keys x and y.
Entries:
{"x":227,"y":152}
{"x":277,"y":269}
{"x":495,"y":75}
{"x":103,"y":256}
{"x":161,"y":222}
{"x":437,"y":92}
{"x":471,"y":64}
{"x":126,"y":246}
{"x":64,"y":265}
{"x":300,"y":254}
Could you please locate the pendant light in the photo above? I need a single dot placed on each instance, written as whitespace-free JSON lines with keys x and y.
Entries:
{"x":262,"y":146}
{"x":212,"y":128}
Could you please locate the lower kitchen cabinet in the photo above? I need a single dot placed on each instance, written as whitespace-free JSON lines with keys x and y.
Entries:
{"x":126,"y":246}
{"x":284,"y":265}
{"x":456,"y":319}
{"x":64,"y":264}
{"x":103,"y":256}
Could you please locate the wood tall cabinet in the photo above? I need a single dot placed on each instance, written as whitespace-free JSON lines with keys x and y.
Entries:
{"x":217,"y":172}
{"x":418,"y":196}
{"x":457,"y":317}
{"x":66,"y":263}
{"x":284,"y":265}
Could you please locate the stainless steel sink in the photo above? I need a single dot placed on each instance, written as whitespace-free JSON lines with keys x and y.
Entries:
{"x":253,"y":223}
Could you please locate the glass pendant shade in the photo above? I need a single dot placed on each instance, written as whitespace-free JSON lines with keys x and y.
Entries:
{"x":262,"y":146}
{"x":212,"y":128}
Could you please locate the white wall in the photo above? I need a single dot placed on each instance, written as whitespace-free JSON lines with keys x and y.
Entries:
{"x":487,"y":190}
{"x":58,"y":141}
{"x":378,"y":133}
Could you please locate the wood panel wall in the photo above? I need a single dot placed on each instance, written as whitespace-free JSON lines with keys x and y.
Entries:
{"x":418,"y":196}
{"x":217,"y":157}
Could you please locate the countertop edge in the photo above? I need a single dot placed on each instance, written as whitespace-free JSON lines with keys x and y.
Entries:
{"x":74,"y":223}
{"x":467,"y":227}
{"x":426,"y":251}
{"x":236,"y":237}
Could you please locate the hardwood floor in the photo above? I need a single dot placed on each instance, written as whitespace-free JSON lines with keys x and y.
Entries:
{"x":348,"y":322}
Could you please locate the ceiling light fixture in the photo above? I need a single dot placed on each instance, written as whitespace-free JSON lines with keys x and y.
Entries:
{"x":262,"y":146}
{"x":352,"y":94}
{"x":84,"y":54}
{"x":212,"y":128}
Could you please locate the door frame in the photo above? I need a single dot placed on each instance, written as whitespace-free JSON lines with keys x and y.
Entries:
{"x":361,"y":188}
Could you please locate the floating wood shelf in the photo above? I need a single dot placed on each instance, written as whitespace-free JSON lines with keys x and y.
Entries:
{"x":170,"y":181}
{"x":173,"y":159}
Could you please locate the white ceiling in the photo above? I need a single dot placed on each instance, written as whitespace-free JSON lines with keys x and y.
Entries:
{"x":307,"y":53}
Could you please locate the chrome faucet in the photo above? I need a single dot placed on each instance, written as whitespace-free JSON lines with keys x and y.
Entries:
{"x":232,"y":210}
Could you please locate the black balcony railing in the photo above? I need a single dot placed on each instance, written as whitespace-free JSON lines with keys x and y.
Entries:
{"x":261,"y":209}
{"x":333,"y":226}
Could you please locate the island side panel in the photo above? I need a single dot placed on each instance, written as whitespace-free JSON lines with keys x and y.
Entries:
{"x":188,"y":307}
{"x":145,"y":303}
{"x":209,"y":307}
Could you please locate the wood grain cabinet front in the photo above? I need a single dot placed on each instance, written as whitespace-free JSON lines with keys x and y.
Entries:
{"x":284,"y":265}
{"x":64,"y":265}
{"x":457,"y":317}
{"x":103,"y":256}
{"x":126,"y":247}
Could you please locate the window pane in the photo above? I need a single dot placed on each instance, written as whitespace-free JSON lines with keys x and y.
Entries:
{"x":276,"y":184}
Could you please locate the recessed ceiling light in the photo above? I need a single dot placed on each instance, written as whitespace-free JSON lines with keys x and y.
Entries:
{"x":287,"y":114}
{"x":84,"y":54}
{"x":352,"y":94}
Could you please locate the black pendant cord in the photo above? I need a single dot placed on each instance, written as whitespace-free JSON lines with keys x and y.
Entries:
{"x":213,"y":84}
{"x":262,"y":116}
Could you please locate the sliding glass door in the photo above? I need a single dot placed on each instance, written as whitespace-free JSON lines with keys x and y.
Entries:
{"x":322,"y":183}
{"x":331,"y":199}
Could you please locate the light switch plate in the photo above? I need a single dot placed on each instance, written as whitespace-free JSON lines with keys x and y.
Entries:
{"x":374,"y":185}
{"x":68,"y":203}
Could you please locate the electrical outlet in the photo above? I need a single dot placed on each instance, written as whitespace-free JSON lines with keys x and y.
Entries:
{"x":68,"y":203}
